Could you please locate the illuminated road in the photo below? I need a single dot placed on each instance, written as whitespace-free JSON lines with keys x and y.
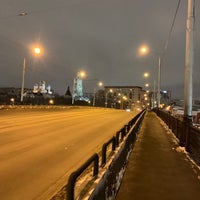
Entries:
{"x":39,"y":149}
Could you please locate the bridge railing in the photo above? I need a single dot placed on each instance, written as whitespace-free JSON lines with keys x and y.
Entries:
{"x":188,"y":135}
{"x":73,"y":177}
{"x":132,"y":126}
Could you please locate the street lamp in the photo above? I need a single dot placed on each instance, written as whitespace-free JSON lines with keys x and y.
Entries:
{"x":37,"y":51}
{"x":77,"y":85}
{"x":106,"y":93}
{"x":189,"y":61}
{"x":143,"y":50}
{"x":146,"y":74}
{"x":100,"y":84}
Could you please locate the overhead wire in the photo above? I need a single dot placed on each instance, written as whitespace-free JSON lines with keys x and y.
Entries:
{"x":171,"y":30}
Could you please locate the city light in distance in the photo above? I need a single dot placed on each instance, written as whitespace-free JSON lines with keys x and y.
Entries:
{"x":100,"y":84}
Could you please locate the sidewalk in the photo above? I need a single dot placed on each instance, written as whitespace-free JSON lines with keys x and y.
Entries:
{"x":156,"y":171}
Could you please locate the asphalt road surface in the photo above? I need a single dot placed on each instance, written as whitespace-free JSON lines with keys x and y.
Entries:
{"x":40,"y":148}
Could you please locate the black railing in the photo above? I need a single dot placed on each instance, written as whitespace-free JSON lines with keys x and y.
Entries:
{"x":115,"y":141}
{"x":73,"y":177}
{"x":104,"y":149}
{"x":188,"y":135}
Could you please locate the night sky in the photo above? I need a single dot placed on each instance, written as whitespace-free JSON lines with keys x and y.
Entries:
{"x":101,"y":37}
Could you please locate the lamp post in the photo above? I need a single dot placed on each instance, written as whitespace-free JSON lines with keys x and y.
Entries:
{"x":159,"y":74}
{"x":106,"y":95}
{"x":143,"y":50}
{"x":94,"y":96}
{"x":37,"y":51}
{"x":23,"y":76}
{"x":189,"y":58}
{"x":189,"y":62}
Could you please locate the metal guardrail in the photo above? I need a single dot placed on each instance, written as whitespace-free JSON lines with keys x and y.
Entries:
{"x":78,"y":172}
{"x":188,"y":135}
{"x":115,"y":141}
{"x":104,"y":149}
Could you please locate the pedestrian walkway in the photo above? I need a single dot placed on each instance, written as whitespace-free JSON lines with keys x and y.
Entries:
{"x":156,"y":170}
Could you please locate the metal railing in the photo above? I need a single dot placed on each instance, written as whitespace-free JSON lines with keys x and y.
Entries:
{"x":115,"y":141}
{"x":73,"y":177}
{"x":188,"y":135}
{"x":104,"y":149}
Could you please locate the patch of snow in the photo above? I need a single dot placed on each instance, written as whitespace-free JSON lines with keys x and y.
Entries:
{"x":180,"y":149}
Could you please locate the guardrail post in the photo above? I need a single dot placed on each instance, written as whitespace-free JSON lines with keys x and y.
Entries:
{"x":71,"y":185}
{"x":103,"y":154}
{"x":104,"y":149}
{"x":117,"y":138}
{"x":113,"y":143}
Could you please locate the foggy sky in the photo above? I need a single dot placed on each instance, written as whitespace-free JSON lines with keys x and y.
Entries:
{"x":99,"y":36}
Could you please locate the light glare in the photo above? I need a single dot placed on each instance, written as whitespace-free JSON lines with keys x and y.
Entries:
{"x":143,"y":50}
{"x":37,"y":50}
{"x":146,"y":74}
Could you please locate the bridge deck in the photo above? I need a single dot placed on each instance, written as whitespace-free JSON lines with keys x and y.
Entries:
{"x":156,"y":169}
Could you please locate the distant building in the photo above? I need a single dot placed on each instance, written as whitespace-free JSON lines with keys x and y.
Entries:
{"x":8,"y":93}
{"x":165,"y":98}
{"x":125,"y":97}
{"x":41,"y":88}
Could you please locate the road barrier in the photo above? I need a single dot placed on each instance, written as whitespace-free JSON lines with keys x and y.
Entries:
{"x":72,"y":179}
{"x":104,"y":149}
{"x":109,"y":187}
{"x":188,"y":135}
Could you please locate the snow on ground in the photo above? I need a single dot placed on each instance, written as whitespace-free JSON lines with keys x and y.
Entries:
{"x":179,"y":149}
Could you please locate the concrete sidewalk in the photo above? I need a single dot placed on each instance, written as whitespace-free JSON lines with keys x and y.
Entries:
{"x":156,"y":170}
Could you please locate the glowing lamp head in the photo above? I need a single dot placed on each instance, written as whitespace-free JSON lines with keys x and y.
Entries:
{"x":146,"y":74}
{"x":100,"y":84}
{"x":37,"y":50}
{"x":144,"y":50}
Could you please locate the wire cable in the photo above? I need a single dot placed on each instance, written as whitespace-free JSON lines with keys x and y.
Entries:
{"x":171,"y":29}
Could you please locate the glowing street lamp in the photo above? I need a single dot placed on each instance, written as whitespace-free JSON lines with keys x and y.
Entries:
{"x":51,"y":101}
{"x":143,"y":50}
{"x":106,"y":101}
{"x":146,"y":74}
{"x":100,"y":84}
{"x":81,"y":74}
{"x":37,"y":51}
